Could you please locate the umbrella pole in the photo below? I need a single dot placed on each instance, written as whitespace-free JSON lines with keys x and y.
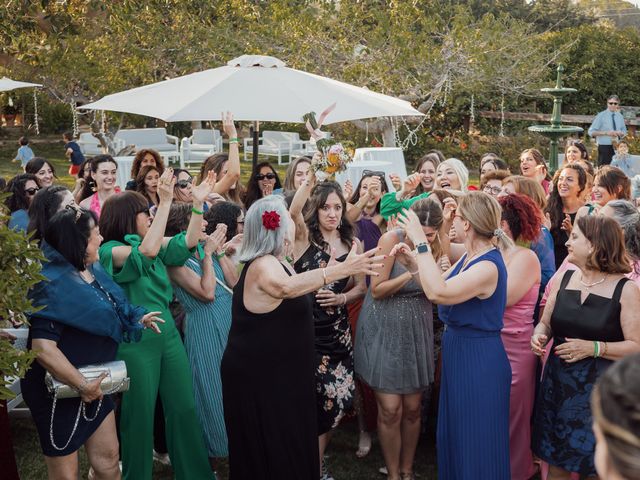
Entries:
{"x":256,"y":134}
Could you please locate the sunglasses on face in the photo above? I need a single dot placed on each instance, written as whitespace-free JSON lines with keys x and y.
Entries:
{"x":268,"y":176}
{"x":184,"y":183}
{"x":613,"y":103}
{"x":31,"y":191}
{"x":145,"y":211}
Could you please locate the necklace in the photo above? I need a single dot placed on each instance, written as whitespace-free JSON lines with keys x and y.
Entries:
{"x":589,"y":285}
{"x":482,"y":252}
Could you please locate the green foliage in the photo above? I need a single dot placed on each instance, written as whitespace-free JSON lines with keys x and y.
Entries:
{"x":19,"y":271}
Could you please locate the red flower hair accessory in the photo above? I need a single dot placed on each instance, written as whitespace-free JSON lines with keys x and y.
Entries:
{"x":271,"y":220}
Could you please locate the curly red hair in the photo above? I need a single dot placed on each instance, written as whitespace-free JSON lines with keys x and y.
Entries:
{"x":522,"y":215}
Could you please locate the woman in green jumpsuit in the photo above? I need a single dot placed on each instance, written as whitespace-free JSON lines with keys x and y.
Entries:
{"x":136,"y":254}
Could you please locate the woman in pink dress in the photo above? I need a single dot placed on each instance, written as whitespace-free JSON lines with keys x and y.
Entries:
{"x":521,"y":221}
{"x":100,"y":184}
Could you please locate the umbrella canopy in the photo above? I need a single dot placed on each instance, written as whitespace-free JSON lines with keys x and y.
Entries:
{"x":6,"y":84}
{"x":254,"y":88}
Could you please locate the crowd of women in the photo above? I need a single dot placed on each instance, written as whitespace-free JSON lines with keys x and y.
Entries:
{"x":253,"y":319}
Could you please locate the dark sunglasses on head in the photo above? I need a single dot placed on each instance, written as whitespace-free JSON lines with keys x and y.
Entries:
{"x":268,"y":176}
{"x":183,"y":183}
{"x":31,"y":191}
{"x":372,"y":173}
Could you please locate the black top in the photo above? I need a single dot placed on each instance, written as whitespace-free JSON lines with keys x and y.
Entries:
{"x":598,"y":318}
{"x":268,"y":388}
{"x":560,"y":237}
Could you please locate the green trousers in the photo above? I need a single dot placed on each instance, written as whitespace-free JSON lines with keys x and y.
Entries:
{"x":158,"y":363}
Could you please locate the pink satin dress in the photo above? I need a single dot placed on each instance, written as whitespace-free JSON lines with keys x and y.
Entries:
{"x":516,"y":336}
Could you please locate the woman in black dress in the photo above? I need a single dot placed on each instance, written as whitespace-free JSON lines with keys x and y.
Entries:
{"x":592,"y":317}
{"x":323,"y":236}
{"x":268,"y":382}
{"x":84,"y":317}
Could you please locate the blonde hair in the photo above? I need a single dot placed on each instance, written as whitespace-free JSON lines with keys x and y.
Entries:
{"x":530,"y":188}
{"x":484,"y":214}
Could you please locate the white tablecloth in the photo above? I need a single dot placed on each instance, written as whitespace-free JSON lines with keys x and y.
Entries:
{"x":392,"y":155}
{"x":124,"y":170}
{"x":355,"y":169}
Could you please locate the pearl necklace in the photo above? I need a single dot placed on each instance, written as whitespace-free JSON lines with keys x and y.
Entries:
{"x":589,"y":285}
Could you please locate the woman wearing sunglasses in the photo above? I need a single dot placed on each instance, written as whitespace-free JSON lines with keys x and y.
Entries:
{"x":22,"y":188}
{"x":264,"y":180}
{"x":182,"y":189}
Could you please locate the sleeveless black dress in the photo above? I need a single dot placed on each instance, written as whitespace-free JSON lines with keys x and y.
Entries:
{"x":562,"y":433}
{"x":268,"y":391}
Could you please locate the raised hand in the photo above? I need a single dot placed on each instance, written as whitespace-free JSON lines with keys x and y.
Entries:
{"x":202,"y":191}
{"x":267,"y":190}
{"x":541,"y":172}
{"x":449,"y":207}
{"x":214,"y":241}
{"x":566,"y":223}
{"x":404,"y":255}
{"x":412,"y":182}
{"x":166,"y":183}
{"x":409,"y":222}
{"x":366,"y":262}
{"x":233,"y":245}
{"x":228,"y":126}
{"x":395,"y":181}
{"x":150,"y":320}
{"x":375,"y":187}
{"x":347,"y":190}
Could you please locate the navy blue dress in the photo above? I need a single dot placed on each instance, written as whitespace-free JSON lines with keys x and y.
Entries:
{"x":473,"y":418}
{"x":81,"y":348}
{"x":562,"y":429}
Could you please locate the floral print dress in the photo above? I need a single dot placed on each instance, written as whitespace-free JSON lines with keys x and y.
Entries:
{"x":334,"y":349}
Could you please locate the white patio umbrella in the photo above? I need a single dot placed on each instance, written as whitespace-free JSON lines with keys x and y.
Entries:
{"x":255,"y":88}
{"x":6,"y":84}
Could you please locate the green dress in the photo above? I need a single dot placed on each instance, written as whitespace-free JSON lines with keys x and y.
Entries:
{"x":158,"y":364}
{"x":205,"y":338}
{"x":389,"y":205}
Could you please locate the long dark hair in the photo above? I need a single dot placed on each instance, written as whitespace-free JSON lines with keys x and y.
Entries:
{"x":44,"y":205}
{"x":554,"y":205}
{"x":18,"y":200}
{"x":383,"y":189}
{"x":253,"y":189}
{"x":36,"y":163}
{"x":89,"y":183}
{"x":141,"y":187}
{"x":318,"y":198}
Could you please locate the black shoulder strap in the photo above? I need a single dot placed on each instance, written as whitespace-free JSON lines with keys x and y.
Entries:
{"x":618,"y":291}
{"x":565,"y":279}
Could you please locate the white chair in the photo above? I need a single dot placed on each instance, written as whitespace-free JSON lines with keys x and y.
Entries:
{"x":202,"y":144}
{"x":154,"y":138}
{"x":275,"y":144}
{"x":89,"y":145}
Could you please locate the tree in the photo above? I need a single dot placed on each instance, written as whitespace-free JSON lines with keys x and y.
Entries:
{"x":19,"y":271}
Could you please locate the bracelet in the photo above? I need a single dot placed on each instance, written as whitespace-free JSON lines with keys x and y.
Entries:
{"x":606,"y":347}
{"x":83,"y":387}
{"x":220,"y":255}
{"x":345,"y":299}
{"x":233,"y":140}
{"x":414,"y":273}
{"x":195,"y":210}
{"x":596,"y":349}
{"x":324,"y":276}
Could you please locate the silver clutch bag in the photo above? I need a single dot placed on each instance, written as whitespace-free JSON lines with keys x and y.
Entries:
{"x":116,"y":380}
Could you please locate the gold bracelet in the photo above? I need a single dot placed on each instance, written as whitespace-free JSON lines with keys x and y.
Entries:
{"x":604,"y":351}
{"x":324,"y":276}
{"x":345,"y":298}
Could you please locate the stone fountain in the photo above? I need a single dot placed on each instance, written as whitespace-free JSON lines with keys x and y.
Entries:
{"x":555,"y":129}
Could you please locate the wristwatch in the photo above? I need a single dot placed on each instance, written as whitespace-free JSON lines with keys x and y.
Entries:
{"x":422,"y":247}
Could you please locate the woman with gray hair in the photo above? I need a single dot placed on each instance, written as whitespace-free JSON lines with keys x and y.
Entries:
{"x":268,"y":380}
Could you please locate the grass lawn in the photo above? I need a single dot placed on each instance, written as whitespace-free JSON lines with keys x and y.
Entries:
{"x":343,"y":463}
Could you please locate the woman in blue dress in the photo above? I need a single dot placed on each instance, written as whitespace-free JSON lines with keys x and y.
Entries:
{"x":473,"y":417}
